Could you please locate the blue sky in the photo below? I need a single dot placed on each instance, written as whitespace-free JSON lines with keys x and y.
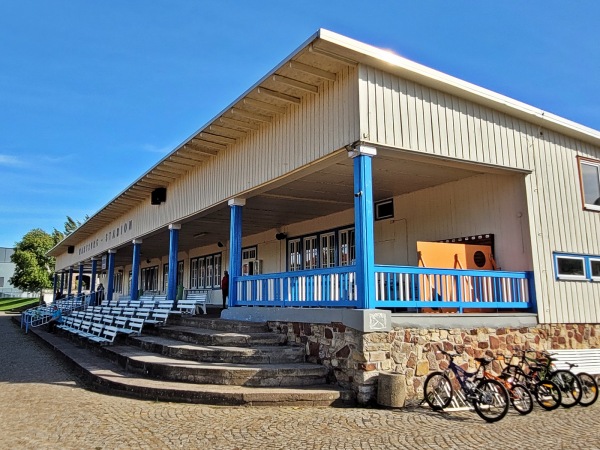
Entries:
{"x":93,"y":93}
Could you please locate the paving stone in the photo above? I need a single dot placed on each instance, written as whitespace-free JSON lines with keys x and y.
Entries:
{"x":45,"y":406}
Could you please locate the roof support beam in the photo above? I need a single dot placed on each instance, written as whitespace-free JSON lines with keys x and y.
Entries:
{"x":250,"y":115}
{"x":216,"y":138}
{"x":202,"y":143}
{"x":238,"y":123}
{"x":177,"y":165}
{"x":319,"y":51}
{"x":224,"y":131}
{"x":312,"y":70}
{"x":296,"y":84}
{"x":278,"y":95}
{"x":194,"y":150}
{"x":265,"y":106}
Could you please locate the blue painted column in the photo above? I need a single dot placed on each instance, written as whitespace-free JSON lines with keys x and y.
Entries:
{"x":93,"y":281}
{"x":80,"y":279}
{"x":173,"y":249}
{"x":363,"y":222}
{"x":62,"y":283}
{"x":70,"y":281}
{"x":54,"y":286}
{"x":111,"y":274}
{"x":135,"y":269}
{"x":235,"y":247}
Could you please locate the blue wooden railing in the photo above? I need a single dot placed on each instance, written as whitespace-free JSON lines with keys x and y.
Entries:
{"x":396,"y":287}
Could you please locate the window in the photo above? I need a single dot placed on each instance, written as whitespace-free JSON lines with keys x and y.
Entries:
{"x":294,"y":255}
{"x":205,"y":271}
{"x":150,"y":279}
{"x":166,"y":275}
{"x":589,"y":172}
{"x":577,"y":267}
{"x":118,"y":282}
{"x":311,"y":252}
{"x":384,"y":209}
{"x":217,"y":271}
{"x":568,"y":267}
{"x":328,"y":250}
{"x":595,"y":269}
{"x":249,"y":255}
{"x":347,"y":247}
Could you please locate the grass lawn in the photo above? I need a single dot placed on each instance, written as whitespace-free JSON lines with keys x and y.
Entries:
{"x":9,"y":304}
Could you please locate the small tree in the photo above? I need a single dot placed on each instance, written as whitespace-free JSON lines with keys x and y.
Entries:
{"x":33,"y":269}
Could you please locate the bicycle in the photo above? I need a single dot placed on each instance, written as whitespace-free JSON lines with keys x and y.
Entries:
{"x":546,"y":393}
{"x":567,"y":381}
{"x":488,"y":397}
{"x":589,"y":387}
{"x":520,"y":396}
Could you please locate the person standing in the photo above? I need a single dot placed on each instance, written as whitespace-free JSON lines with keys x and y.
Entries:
{"x":99,"y":294}
{"x":225,"y":288}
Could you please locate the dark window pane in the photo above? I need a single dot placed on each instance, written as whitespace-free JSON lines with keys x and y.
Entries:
{"x":595,"y":268}
{"x":591,"y":184}
{"x":570,"y":266}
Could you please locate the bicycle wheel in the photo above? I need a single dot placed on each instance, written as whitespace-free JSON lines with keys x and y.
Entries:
{"x":548,"y":395}
{"x":589,"y":389}
{"x":569,"y":385}
{"x":521,"y":399}
{"x":492,"y":400}
{"x":437,"y":391}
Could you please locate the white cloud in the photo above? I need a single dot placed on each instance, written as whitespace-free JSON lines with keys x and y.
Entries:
{"x":9,"y":160}
{"x":154,"y":149}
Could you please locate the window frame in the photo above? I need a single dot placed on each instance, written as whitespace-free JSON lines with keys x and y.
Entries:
{"x":381,"y":203}
{"x":591,"y":273}
{"x":590,"y":162}
{"x":205,"y":278}
{"x":586,"y":261}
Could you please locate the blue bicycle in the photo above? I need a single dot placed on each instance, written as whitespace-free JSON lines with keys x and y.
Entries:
{"x":488,"y":397}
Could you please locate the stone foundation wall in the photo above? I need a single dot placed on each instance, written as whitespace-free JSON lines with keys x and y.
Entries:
{"x":355,"y":358}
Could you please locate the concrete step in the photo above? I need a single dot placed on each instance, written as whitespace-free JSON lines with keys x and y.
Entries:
{"x":213,"y":323}
{"x":160,"y":367}
{"x":205,"y":336}
{"x":174,"y":348}
{"x":105,"y":376}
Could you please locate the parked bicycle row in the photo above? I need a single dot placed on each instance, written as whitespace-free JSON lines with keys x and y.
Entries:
{"x":526,"y":375}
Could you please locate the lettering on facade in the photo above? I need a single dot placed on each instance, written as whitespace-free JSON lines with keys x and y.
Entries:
{"x":124,"y":228}
{"x":116,"y":232}
{"x":89,"y":246}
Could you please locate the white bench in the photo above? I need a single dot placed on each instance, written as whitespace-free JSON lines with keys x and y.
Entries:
{"x":587,"y":360}
{"x":159,"y":317}
{"x":193,"y":302}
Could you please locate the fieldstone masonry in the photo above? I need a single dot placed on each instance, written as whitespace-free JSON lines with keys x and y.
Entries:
{"x":355,"y":359}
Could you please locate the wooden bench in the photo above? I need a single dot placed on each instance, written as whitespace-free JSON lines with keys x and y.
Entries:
{"x":158,"y":317}
{"x":587,"y":360}
{"x":107,"y":335}
{"x":193,"y":302}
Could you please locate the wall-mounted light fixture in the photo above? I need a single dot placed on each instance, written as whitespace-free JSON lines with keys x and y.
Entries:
{"x":220,"y":244}
{"x":280,"y":236}
{"x":148,"y":261}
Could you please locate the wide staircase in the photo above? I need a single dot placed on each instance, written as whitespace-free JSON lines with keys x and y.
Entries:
{"x":203,"y":360}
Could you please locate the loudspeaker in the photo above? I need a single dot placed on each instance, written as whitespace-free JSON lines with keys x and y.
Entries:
{"x":159,"y":195}
{"x":71,"y":249}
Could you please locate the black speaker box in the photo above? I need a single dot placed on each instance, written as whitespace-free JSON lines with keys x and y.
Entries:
{"x":159,"y":195}
{"x":71,"y":249}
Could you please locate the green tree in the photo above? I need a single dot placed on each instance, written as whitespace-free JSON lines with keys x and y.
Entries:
{"x":71,"y":225}
{"x":33,"y":269}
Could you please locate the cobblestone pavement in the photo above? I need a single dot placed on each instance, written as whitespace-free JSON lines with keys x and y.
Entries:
{"x":43,"y":406}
